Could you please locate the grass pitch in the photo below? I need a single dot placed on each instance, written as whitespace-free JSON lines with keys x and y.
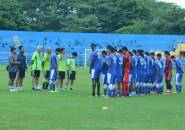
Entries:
{"x":76,"y":110}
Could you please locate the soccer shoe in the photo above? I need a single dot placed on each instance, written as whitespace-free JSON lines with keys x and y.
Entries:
{"x":12,"y":90}
{"x":21,"y":89}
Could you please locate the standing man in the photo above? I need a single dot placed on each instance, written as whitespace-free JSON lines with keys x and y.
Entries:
{"x":95,"y":61}
{"x":119,"y":72}
{"x":179,"y":72}
{"x":159,"y":73}
{"x":133,"y":73}
{"x":71,"y":70}
{"x":12,"y":69}
{"x":21,"y":68}
{"x":61,"y":68}
{"x":168,"y":72}
{"x":46,"y":68}
{"x":126,"y":71}
{"x":36,"y":67}
{"x":54,"y":71}
{"x":104,"y":70}
{"x":111,"y":73}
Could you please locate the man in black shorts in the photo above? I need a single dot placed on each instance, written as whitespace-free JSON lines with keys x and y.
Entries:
{"x":21,"y":68}
{"x":12,"y":69}
{"x":46,"y":67}
{"x":71,"y":70}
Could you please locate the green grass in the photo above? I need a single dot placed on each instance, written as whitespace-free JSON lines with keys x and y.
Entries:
{"x":76,"y":110}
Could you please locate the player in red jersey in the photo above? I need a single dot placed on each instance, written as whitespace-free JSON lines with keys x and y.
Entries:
{"x":126,"y":71}
{"x":168,"y":72}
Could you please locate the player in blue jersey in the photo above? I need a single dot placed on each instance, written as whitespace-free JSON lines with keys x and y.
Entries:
{"x":95,"y":68}
{"x":159,"y":63}
{"x":119,"y":72}
{"x":147,"y":73}
{"x":133,"y":73}
{"x":53,"y":70}
{"x":104,"y":69}
{"x":111,"y":74}
{"x":152,"y":77}
{"x":179,"y":72}
{"x":141,"y":66}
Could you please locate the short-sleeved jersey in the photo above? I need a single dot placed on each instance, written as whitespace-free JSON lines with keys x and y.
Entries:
{"x":141,"y":64}
{"x":119,"y":64}
{"x":152,"y":65}
{"x":111,"y":59}
{"x":133,"y":64}
{"x":159,"y":66}
{"x":12,"y":67}
{"x":104,"y":67}
{"x":168,"y":65}
{"x":71,"y":64}
{"x":127,"y":62}
{"x":22,"y":59}
{"x":54,"y":62}
{"x":61,"y":63}
{"x":95,"y":59}
{"x":37,"y":61}
{"x":46,"y":60}
{"x":178,"y":66}
{"x":147,"y":61}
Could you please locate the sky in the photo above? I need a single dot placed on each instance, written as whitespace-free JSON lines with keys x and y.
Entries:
{"x":178,"y":2}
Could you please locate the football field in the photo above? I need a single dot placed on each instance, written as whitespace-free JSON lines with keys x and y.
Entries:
{"x":77,"y":110}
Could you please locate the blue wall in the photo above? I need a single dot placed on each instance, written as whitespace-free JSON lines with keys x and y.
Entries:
{"x":80,"y":41}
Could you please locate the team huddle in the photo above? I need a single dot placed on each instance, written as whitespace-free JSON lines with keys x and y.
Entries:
{"x":131,"y":73}
{"x":54,"y":66}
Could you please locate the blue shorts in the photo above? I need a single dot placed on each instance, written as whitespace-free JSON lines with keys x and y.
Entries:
{"x":53,"y":75}
{"x":95,"y":74}
{"x":179,"y":77}
{"x":111,"y":78}
{"x":159,"y":78}
{"x":133,"y":77}
{"x":147,"y":78}
{"x":104,"y":78}
{"x":140,"y":77}
{"x":119,"y":78}
{"x":152,"y":78}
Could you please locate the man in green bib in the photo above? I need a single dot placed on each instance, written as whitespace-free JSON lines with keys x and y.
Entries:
{"x":71,"y":70}
{"x":46,"y":67}
{"x":36,"y":67}
{"x":61,"y":67}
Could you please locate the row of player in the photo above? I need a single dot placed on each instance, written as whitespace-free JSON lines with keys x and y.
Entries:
{"x":125,"y":73}
{"x":54,"y":67}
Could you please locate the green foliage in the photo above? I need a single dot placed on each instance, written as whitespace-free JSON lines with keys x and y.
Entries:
{"x":108,"y":16}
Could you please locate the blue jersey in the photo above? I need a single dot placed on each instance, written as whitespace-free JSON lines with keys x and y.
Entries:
{"x":111,"y":59}
{"x":134,"y":65}
{"x":54,"y":62}
{"x":104,"y":67}
{"x":147,"y":60}
{"x":95,"y":60}
{"x":152,"y":65}
{"x":141,"y":64}
{"x":119,"y":65}
{"x":178,"y":66}
{"x":159,"y":66}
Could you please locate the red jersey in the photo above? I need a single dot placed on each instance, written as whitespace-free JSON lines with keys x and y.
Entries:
{"x":127,"y":62}
{"x":168,"y":67}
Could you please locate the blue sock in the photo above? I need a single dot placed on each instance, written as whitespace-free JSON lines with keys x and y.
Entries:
{"x":109,"y":92}
{"x":105,"y":91}
{"x":180,"y":88}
